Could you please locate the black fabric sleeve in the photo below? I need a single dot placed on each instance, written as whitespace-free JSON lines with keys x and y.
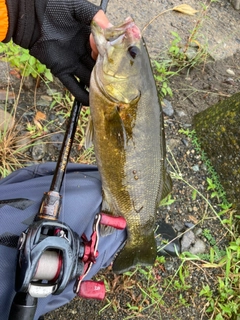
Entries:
{"x":26,"y":17}
{"x":22,"y":21}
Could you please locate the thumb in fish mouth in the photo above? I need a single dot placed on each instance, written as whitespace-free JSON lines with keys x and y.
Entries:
{"x":102,"y":20}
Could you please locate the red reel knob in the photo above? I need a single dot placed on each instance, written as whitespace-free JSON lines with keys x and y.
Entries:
{"x":92,"y":290}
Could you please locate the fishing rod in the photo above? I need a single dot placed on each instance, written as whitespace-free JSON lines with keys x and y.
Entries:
{"x":67,"y":254}
{"x":35,"y":242}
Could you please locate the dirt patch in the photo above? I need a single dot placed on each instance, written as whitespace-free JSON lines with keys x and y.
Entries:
{"x":197,"y":89}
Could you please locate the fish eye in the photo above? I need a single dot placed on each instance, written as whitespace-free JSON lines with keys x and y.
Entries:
{"x":133,"y":51}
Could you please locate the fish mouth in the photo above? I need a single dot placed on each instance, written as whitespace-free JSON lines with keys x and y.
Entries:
{"x":128,"y":33}
{"x":129,"y":27}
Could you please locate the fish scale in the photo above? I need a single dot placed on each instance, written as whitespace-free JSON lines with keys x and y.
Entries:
{"x":128,"y":137}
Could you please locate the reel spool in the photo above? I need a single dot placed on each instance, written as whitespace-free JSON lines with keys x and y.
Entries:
{"x":49,"y":266}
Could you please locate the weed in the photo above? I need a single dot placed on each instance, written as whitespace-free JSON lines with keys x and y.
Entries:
{"x":215,"y":253}
{"x":180,"y":55}
{"x":13,"y":143}
{"x":36,"y":131}
{"x":214,"y":184}
{"x":62,"y":103}
{"x":162,"y":74}
{"x":224,"y":303}
{"x":167,"y":201}
{"x":20,"y":59}
{"x":12,"y":148}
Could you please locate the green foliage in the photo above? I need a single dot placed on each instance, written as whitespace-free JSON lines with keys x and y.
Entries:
{"x":215,"y":254}
{"x":167,"y":201}
{"x":20,"y":59}
{"x":175,"y":51}
{"x":214,"y":185}
{"x":224,"y":303}
{"x":177,"y":58}
{"x":162,"y":74}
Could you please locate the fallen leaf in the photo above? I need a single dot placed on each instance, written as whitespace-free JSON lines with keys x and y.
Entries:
{"x":37,"y":124}
{"x":40,"y":116}
{"x":186,"y":9}
{"x":15,"y":73}
{"x":193,"y":219}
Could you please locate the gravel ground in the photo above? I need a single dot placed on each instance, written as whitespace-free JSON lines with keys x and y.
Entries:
{"x":194,"y":90}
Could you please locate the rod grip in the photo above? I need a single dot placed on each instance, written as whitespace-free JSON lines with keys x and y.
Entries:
{"x":23,"y":307}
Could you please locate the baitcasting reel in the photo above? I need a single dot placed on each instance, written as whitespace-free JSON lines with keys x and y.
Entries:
{"x":49,"y":257}
{"x":51,"y":254}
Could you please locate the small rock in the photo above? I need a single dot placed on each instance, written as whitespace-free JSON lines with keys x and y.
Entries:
{"x":181,"y":113}
{"x":186,"y":125}
{"x":167,"y":108}
{"x":189,"y":225}
{"x":191,"y":53}
{"x":185,"y":142}
{"x":229,"y":81}
{"x":46,"y":98}
{"x":188,"y":239}
{"x":198,"y":247}
{"x":29,"y":83}
{"x":172,"y":143}
{"x":38,"y":151}
{"x":169,"y":265}
{"x":179,"y":226}
{"x":195,"y":168}
{"x":198,"y":231}
{"x":42,"y":103}
{"x":51,"y":92}
{"x":231,"y":72}
{"x":74,"y":311}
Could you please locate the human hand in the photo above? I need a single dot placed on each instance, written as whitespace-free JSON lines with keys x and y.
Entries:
{"x":64,"y":43}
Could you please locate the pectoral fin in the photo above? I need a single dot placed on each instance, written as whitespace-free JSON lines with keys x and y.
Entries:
{"x":89,"y":134}
{"x":115,"y":128}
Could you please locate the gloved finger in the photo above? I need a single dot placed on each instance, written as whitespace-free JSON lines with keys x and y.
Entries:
{"x":84,"y":50}
{"x":85,"y":11}
{"x":82,"y":73}
{"x":71,"y":83}
{"x":88,"y":63}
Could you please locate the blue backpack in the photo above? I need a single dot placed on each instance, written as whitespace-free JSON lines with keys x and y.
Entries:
{"x":20,"y":197}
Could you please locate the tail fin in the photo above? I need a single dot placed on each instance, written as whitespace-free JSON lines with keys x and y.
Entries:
{"x":144,"y":253}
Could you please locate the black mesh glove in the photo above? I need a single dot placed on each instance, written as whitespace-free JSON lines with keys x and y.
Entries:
{"x":57,"y":33}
